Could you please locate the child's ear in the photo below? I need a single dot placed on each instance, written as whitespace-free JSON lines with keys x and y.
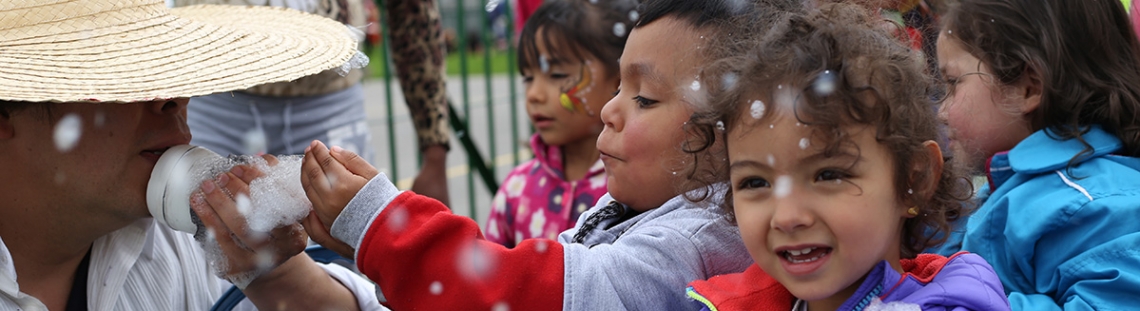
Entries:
{"x":1030,"y":89}
{"x":926,"y":172}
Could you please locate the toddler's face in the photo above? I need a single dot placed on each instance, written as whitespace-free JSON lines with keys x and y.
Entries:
{"x":641,"y":141}
{"x":982,"y":116}
{"x":817,"y":223}
{"x":564,"y":96}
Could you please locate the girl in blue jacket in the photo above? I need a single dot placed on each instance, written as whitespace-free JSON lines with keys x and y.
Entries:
{"x":1042,"y":97}
{"x":837,"y":181}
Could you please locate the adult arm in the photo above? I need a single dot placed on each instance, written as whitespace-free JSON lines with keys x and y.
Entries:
{"x":271,"y":268}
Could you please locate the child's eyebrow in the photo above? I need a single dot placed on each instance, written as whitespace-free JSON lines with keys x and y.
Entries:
{"x":817,"y":157}
{"x":554,"y":61}
{"x":837,"y":155}
{"x":646,"y":71}
{"x":736,"y":165}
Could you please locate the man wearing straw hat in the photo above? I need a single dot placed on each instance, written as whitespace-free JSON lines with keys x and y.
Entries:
{"x":92,"y":92}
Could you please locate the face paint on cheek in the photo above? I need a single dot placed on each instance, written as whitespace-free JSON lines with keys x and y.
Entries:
{"x":570,"y":99}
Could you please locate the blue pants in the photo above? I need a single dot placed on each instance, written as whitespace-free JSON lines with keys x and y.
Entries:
{"x":242,"y":123}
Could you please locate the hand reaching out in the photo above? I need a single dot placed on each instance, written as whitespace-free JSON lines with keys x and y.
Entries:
{"x":331,"y":179}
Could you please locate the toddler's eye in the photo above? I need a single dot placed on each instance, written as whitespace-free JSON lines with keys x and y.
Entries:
{"x":752,"y":183}
{"x":831,"y":175}
{"x":528,"y":79}
{"x":644,"y":102}
{"x":559,"y":76}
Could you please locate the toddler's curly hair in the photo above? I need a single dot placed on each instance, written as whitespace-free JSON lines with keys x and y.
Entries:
{"x":872,"y":79}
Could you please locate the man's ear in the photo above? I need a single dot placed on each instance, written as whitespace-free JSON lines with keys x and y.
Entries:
{"x":7,"y":129}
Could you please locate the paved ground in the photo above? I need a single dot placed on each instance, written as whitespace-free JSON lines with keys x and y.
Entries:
{"x":406,"y":165}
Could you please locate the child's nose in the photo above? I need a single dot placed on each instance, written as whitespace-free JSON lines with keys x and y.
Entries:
{"x":610,"y":114}
{"x":535,"y":95}
{"x":791,"y":211}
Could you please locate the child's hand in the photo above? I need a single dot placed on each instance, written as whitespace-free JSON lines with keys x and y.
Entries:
{"x":332,"y":178}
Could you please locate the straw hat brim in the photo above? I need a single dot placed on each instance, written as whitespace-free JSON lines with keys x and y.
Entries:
{"x":148,"y":52}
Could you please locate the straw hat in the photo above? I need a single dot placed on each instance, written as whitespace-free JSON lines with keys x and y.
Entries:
{"x":140,"y":50}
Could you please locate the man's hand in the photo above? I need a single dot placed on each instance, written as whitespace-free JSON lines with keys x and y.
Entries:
{"x":246,"y":253}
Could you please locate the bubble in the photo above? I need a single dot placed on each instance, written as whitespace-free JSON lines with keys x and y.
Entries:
{"x":594,"y":1}
{"x":475,"y":261}
{"x":780,"y":87}
{"x":771,"y":126}
{"x":720,"y":125}
{"x":729,"y":80}
{"x":244,"y":205}
{"x":786,"y":98}
{"x":332,"y":178}
{"x":492,"y":5}
{"x":100,"y":118}
{"x":735,"y":7}
{"x":436,"y":288}
{"x":771,"y":160}
{"x":758,"y":109}
{"x":804,"y":143}
{"x":540,"y":246}
{"x":825,"y":84}
{"x":910,"y":191}
{"x":264,"y":260}
{"x":696,"y":85}
{"x":619,"y":28}
{"x":949,"y":31}
{"x":67,"y":132}
{"x":543,"y":64}
{"x":991,"y":20}
{"x":501,"y":306}
{"x":277,"y":198}
{"x":783,"y":186}
{"x":398,"y":220}
{"x":255,"y":142}
{"x":633,"y":15}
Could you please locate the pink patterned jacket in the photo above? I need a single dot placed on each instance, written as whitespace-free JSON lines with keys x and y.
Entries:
{"x":535,"y":201}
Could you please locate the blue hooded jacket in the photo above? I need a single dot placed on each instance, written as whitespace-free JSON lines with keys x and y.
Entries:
{"x":1060,"y":237}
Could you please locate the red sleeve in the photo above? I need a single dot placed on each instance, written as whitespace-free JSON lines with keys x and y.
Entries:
{"x":423,"y":257}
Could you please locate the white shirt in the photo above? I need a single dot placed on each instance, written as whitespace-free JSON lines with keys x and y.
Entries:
{"x":146,"y":266}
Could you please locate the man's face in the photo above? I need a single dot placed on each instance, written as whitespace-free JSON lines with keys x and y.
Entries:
{"x":89,"y":160}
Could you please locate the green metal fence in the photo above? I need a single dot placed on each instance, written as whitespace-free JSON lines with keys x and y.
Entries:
{"x":488,"y":130}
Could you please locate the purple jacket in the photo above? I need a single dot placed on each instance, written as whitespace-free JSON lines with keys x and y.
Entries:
{"x":960,"y":282}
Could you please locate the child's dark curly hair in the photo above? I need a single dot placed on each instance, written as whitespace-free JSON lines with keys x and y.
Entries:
{"x":872,"y":79}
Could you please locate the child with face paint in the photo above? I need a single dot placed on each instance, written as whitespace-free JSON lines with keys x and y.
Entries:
{"x":837,"y":181}
{"x":569,"y":63}
{"x":634,"y":250}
